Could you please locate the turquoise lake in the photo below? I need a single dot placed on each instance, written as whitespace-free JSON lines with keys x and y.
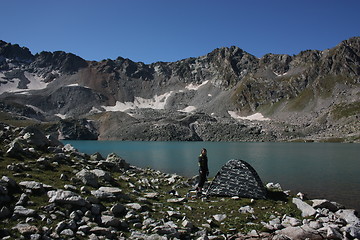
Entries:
{"x":321,"y":170}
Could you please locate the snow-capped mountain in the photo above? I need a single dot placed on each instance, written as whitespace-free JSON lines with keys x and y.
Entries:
{"x":227,"y":94}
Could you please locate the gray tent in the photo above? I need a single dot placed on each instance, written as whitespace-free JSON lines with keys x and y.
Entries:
{"x":237,"y":178}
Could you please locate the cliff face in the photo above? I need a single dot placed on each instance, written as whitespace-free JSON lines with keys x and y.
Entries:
{"x":314,"y":94}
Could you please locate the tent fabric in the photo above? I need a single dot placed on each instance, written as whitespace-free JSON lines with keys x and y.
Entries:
{"x":237,"y":178}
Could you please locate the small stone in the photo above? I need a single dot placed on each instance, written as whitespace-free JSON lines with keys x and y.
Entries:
{"x":67,"y":232}
{"x":246,"y":209}
{"x":220,"y":217}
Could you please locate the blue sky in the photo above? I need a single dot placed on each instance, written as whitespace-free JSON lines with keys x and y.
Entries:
{"x":170,"y":30}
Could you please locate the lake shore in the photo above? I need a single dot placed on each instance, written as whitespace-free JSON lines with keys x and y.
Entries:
{"x":53,"y":191}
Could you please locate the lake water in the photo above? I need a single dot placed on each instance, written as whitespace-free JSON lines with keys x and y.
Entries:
{"x":321,"y":170}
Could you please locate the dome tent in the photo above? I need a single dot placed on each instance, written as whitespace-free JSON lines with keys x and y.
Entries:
{"x":237,"y":178}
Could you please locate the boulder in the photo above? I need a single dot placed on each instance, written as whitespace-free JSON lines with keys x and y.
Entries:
{"x":4,"y":212}
{"x":114,"y":163}
{"x":323,"y":203}
{"x":15,"y":150}
{"x":300,"y":232}
{"x":220,"y":217}
{"x":66,"y":197}
{"x":35,"y":137}
{"x":26,"y":229}
{"x":110,"y":221}
{"x":20,"y":211}
{"x":118,"y":210}
{"x":88,"y":178}
{"x":306,"y":209}
{"x":108,"y":193}
{"x":353,"y":230}
{"x":348,"y":215}
{"x":33,"y":186}
{"x":101,"y":174}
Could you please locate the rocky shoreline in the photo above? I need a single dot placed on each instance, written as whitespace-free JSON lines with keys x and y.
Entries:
{"x":51,"y":191}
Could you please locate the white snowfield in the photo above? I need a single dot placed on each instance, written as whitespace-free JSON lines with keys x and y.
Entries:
{"x":253,"y":117}
{"x":188,"y":109}
{"x":36,"y":83}
{"x":157,"y":102}
{"x":192,"y":86}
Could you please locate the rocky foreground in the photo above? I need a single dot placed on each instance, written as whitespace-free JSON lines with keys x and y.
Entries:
{"x":51,"y":191}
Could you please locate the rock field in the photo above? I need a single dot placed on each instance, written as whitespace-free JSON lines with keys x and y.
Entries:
{"x":51,"y":191}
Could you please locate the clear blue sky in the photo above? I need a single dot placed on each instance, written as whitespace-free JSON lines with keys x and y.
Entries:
{"x":170,"y":30}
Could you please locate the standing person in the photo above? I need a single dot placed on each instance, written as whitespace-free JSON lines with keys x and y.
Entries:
{"x":203,"y":169}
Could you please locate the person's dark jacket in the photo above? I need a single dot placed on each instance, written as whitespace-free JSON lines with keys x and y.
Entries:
{"x":203,"y":164}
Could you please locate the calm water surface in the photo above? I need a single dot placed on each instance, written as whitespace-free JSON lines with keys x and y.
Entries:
{"x":321,"y":170}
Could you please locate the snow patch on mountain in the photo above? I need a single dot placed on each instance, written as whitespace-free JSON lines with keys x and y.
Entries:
{"x":157,"y":102}
{"x":195,"y":87}
{"x":11,"y":85}
{"x":36,"y":82}
{"x":253,"y":117}
{"x":188,"y":109}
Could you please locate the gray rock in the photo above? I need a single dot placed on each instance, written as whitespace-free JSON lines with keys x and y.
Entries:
{"x":66,"y":197}
{"x":135,"y":206}
{"x":35,"y":137}
{"x":220,"y":217}
{"x":290,"y":221}
{"x":88,"y":178}
{"x":300,"y":232}
{"x":353,"y":230}
{"x":187,"y":224}
{"x":23,"y":199}
{"x":306,"y":209}
{"x":101,"y":231}
{"x":246,"y":209}
{"x":174,"y":214}
{"x":315,"y":224}
{"x":348,"y":215}
{"x":60,"y":226}
{"x":333,"y":233}
{"x":26,"y":229}
{"x":33,"y":185}
{"x":110,"y":221}
{"x":176,"y":200}
{"x":114,"y":163}
{"x":15,"y":150}
{"x":67,"y":232}
{"x":9,"y":182}
{"x":84,"y":228}
{"x":323,"y":203}
{"x":20,"y":211}
{"x":101,"y":174}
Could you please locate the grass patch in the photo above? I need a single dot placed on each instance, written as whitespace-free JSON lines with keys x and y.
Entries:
{"x":302,"y":100}
{"x":345,"y":110}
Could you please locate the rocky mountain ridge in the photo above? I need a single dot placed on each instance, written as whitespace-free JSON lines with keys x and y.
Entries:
{"x":314,"y":95}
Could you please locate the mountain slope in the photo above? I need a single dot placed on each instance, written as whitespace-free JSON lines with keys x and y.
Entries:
{"x":312,"y":95}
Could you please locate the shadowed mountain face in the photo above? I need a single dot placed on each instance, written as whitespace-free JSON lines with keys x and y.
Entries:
{"x":227,"y":94}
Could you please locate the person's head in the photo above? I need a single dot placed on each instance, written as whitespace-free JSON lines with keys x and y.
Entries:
{"x":203,"y":151}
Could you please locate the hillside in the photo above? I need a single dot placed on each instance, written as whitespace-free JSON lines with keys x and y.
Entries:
{"x":226,"y":95}
{"x":51,"y":191}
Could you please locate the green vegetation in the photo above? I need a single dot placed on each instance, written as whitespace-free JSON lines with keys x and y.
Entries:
{"x":346,"y":110}
{"x":302,"y":100}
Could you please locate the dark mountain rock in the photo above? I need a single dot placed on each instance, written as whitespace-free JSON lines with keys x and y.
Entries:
{"x":59,"y":60}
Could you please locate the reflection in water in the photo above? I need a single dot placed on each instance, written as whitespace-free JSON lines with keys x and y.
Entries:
{"x":326,"y":170}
